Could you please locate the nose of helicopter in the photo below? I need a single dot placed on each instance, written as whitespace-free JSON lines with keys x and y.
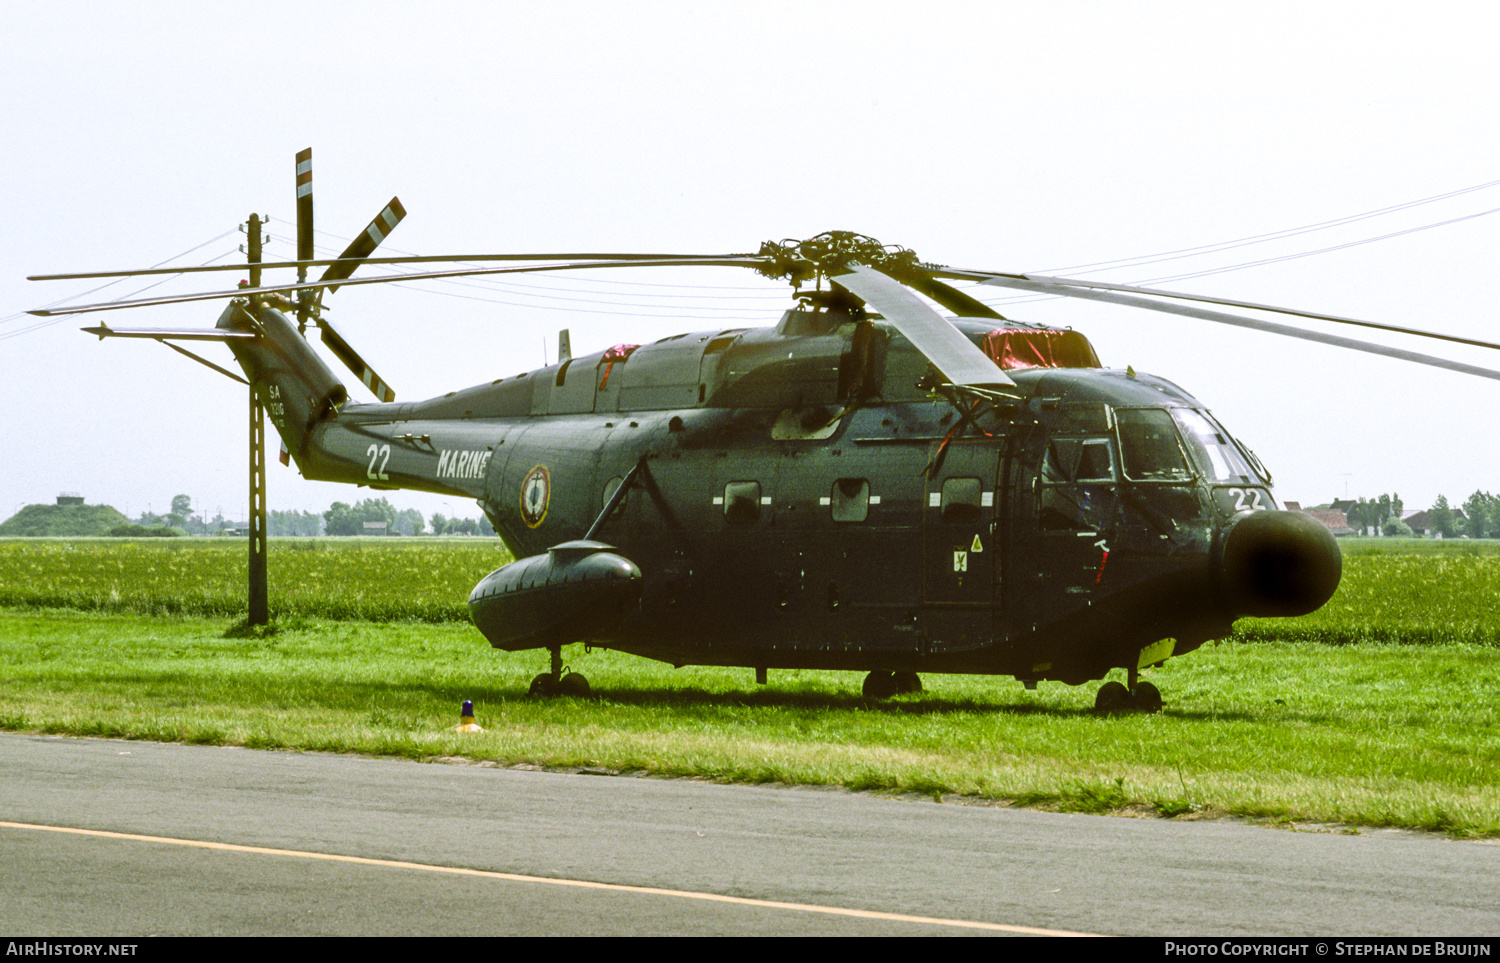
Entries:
{"x":1277,"y":563}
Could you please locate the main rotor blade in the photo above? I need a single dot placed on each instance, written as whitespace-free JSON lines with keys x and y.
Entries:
{"x":406,"y":259}
{"x":951,"y":298}
{"x":174,"y":334}
{"x":959,"y":360}
{"x":355,"y":363}
{"x":1271,"y":327}
{"x":365,"y":244}
{"x":986,"y":277}
{"x":747,"y":260}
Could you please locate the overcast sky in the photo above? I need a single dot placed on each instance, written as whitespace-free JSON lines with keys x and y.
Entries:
{"x":1023,"y":136}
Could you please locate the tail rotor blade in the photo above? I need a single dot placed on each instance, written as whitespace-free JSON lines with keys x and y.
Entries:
{"x":365,"y":244}
{"x":351,"y":359}
{"x":304,"y":206}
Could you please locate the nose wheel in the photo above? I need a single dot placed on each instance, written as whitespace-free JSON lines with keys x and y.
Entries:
{"x":1139,"y":696}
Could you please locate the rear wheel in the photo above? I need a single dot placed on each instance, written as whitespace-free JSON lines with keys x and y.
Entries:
{"x":1112,"y":697}
{"x":1147,"y":698}
{"x":879,"y":684}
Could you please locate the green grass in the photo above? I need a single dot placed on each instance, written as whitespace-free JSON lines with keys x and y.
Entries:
{"x":1368,"y":734}
{"x":370,"y":579}
{"x":1395,"y":723}
{"x":1404,"y":592}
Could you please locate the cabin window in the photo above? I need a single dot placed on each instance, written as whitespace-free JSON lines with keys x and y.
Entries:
{"x":850,"y":500}
{"x":961,"y":499}
{"x":742,"y":502}
{"x":1149,"y":446}
{"x":1077,"y":490}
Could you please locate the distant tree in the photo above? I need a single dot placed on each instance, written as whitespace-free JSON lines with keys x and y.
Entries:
{"x":343,"y":519}
{"x":409,"y":522}
{"x":294,"y":524}
{"x":1362,"y":515}
{"x":340,"y":520}
{"x":182,"y":505}
{"x":1483,"y":511}
{"x":485,"y":528}
{"x":140,"y":531}
{"x":1395,"y":527}
{"x":439,"y":524}
{"x":1441,"y":515}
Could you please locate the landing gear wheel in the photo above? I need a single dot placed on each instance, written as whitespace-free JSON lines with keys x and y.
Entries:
{"x":548,"y":685}
{"x":1146,"y":698}
{"x":906,"y":682}
{"x":879,"y":685}
{"x":1112,"y":697}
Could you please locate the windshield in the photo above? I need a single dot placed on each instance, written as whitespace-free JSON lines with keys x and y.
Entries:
{"x":1215,"y":452}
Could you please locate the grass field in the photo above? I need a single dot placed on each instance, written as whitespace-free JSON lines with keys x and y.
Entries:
{"x":1394,"y":725}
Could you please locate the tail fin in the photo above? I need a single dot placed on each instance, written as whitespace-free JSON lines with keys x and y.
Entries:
{"x":292,"y":383}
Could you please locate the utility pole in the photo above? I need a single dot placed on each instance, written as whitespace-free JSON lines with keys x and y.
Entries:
{"x":259,"y":607}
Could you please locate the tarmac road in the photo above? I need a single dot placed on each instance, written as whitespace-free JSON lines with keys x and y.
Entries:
{"x":329,"y":844}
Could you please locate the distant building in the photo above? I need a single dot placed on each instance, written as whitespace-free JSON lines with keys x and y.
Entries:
{"x":1337,"y":521}
{"x":1421,"y":523}
{"x":1333,"y":519}
{"x":376,"y":528}
{"x":70,"y":498}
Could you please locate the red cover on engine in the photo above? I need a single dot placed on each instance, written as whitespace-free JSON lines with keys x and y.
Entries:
{"x":1039,"y":348}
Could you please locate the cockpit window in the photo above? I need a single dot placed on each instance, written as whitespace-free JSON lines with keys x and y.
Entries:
{"x":1149,"y":446}
{"x":1078,"y":460}
{"x":1214,"y":451}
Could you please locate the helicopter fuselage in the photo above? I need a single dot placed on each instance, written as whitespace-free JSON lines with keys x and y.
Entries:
{"x":794,"y":499}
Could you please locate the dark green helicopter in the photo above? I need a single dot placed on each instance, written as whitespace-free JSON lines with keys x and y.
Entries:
{"x":868,"y":485}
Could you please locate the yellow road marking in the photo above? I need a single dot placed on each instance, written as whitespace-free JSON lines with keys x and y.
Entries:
{"x":552,"y":881}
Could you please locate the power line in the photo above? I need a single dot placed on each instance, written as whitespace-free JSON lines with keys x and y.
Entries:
{"x":1259,"y":238}
{"x":1245,"y":265}
{"x":48,"y":322}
